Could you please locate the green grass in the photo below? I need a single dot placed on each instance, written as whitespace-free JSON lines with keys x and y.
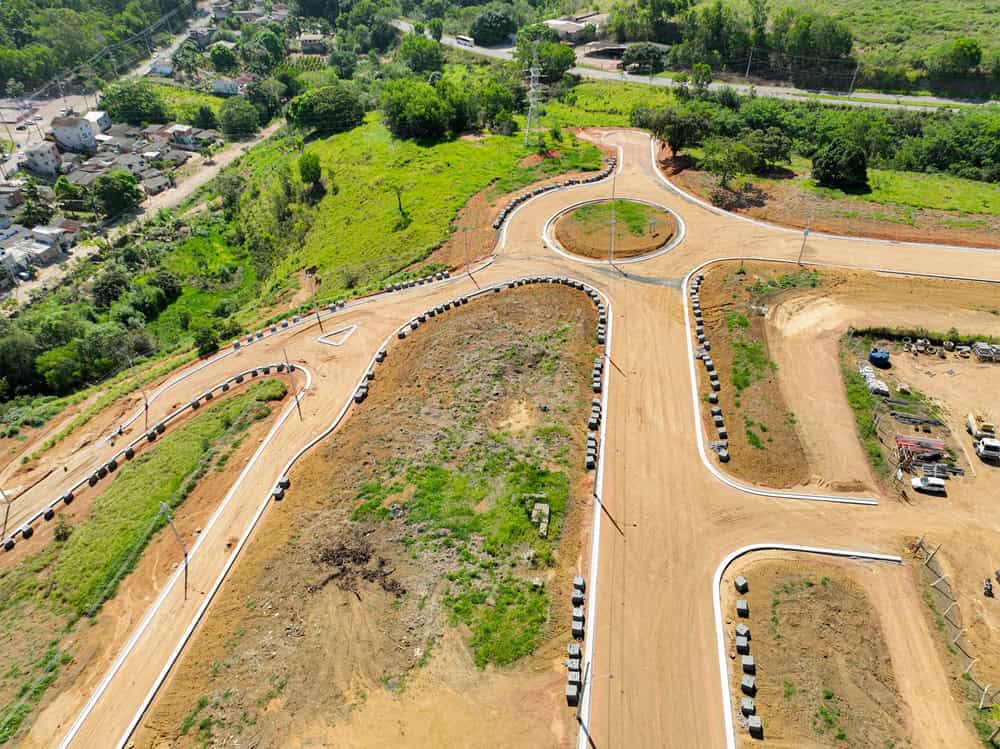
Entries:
{"x":634,"y":216}
{"x":603,"y":104}
{"x":915,"y":190}
{"x":750,"y":362}
{"x":862,"y":404}
{"x":803,"y":279}
{"x":183,"y":103}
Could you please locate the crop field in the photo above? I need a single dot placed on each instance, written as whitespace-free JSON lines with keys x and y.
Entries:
{"x":184,"y":102}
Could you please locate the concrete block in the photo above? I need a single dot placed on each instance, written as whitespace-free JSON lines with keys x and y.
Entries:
{"x":577,"y":630}
{"x":129,"y":453}
{"x":713,"y":397}
{"x":284,"y":482}
{"x":716,"y":411}
{"x":724,"y":456}
{"x":715,"y":385}
{"x":92,"y":480}
{"x":27,"y":532}
{"x":747,"y":706}
{"x":743,"y":608}
{"x":742,"y":630}
{"x":579,"y":584}
{"x":573,"y":665}
{"x":573,"y":650}
{"x":573,"y":677}
{"x":572,"y":695}
{"x":723,"y":434}
{"x":748,"y":685}
{"x":49,"y":513}
{"x":278,"y":494}
{"x":755,"y":727}
{"x":8,"y":544}
{"x":577,"y":598}
{"x":748,"y":665}
{"x":151,"y":436}
{"x":742,"y":586}
{"x":742,"y":646}
{"x":67,"y":498}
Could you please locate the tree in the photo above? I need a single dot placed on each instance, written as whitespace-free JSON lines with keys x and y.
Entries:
{"x":344,"y":61}
{"x":205,"y":118}
{"x":328,"y":109}
{"x":420,"y":54}
{"x":554,"y":59}
{"x":14,"y":88}
{"x":309,"y":168}
{"x":109,"y":285}
{"x":771,"y":147}
{"x":223,"y":58}
{"x":413,"y":109}
{"x":167,"y":282}
{"x":701,"y":76}
{"x":725,"y":158}
{"x":758,"y":23}
{"x":492,"y":26}
{"x":35,"y":210}
{"x":842,"y":164}
{"x":116,"y":192}
{"x":134,"y":102}
{"x":679,"y":128}
{"x":239,"y":118}
{"x":645,"y":55}
{"x":435,"y":26}
{"x":266,"y":96}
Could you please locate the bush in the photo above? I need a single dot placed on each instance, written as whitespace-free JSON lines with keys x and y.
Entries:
{"x":842,"y":164}
{"x":329,"y":109}
{"x":133,"y":102}
{"x":420,"y":54}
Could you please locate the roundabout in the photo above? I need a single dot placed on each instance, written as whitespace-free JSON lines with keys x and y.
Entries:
{"x":644,"y":230}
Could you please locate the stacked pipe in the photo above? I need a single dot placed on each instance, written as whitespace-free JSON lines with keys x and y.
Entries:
{"x":523,"y":197}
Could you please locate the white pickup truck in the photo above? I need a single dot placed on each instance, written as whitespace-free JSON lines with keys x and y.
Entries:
{"x":988,"y":449}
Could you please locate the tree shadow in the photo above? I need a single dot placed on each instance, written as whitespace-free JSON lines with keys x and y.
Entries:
{"x":740,"y":198}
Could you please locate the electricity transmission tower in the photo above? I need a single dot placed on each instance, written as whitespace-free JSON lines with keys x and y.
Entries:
{"x":534,"y":73}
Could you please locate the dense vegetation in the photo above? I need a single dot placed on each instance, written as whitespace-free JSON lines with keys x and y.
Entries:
{"x":39,"y":39}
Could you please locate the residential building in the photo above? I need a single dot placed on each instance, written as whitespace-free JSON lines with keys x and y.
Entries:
{"x":74,"y":134}
{"x":182,"y":134}
{"x":83,"y":177}
{"x":312,"y":44}
{"x":11,"y":195}
{"x":177,"y":157}
{"x":569,"y":30}
{"x":155,"y":185}
{"x":221,"y":10}
{"x":225,"y":87}
{"x":202,"y":37}
{"x":99,"y":121}
{"x":131,"y":162}
{"x":249,"y":16}
{"x":42,"y":158}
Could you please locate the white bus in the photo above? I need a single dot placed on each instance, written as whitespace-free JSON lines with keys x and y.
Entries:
{"x":465,"y":41}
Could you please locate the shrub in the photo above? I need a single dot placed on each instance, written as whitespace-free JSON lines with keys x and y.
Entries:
{"x":841,"y":164}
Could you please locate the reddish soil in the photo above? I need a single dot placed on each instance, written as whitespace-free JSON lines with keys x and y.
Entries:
{"x":824,"y":674}
{"x":331,"y":631}
{"x":783,"y":203}
{"x":582,"y":238}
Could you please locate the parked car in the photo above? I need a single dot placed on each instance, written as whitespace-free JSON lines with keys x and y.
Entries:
{"x":928,"y":484}
{"x":21,"y":127}
{"x":988,"y":449}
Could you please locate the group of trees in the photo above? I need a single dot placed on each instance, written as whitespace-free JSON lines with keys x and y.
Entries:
{"x":39,"y":39}
{"x":740,"y":134}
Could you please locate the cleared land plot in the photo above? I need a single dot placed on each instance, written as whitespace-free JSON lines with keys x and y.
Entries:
{"x":73,"y":573}
{"x":639,"y":229}
{"x":778,"y":328}
{"x":824,"y":673}
{"x":404,"y":558}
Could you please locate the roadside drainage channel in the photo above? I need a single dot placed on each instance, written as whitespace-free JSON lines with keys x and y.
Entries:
{"x":277,"y":493}
{"x":748,"y":667}
{"x":550,"y":241}
{"x":109,"y":466}
{"x":720,"y":446}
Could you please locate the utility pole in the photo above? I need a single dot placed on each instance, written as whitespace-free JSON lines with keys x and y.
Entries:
{"x":6,"y":513}
{"x":312,"y":278}
{"x":611,"y":238}
{"x":468,"y":262}
{"x":747,"y":74}
{"x":63,"y":95}
{"x":145,"y":400}
{"x":805,"y":236}
{"x":535,"y":73}
{"x":290,"y":377}
{"x":854,"y":78}
{"x":165,"y":511}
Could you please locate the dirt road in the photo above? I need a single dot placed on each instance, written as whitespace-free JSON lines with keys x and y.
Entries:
{"x":668,"y":521}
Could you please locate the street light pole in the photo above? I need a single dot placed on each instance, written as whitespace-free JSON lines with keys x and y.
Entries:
{"x":295,"y":393}
{"x":468,"y":262}
{"x":6,"y":513}
{"x":165,"y":511}
{"x":145,"y":400}
{"x":805,"y":235}
{"x":312,"y":279}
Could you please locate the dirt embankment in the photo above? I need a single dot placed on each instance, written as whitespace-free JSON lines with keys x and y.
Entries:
{"x":356,"y":615}
{"x":824,"y":674}
{"x":784,"y":203}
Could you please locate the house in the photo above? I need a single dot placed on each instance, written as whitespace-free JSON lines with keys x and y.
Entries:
{"x":201,"y":37}
{"x":51,"y":235}
{"x":99,"y":121}
{"x":161,"y":67}
{"x":11,"y":195}
{"x":206,"y":137}
{"x":312,"y":44}
{"x":221,"y":10}
{"x":155,"y":185}
{"x":600,"y":21}
{"x":279,"y":12}
{"x":179,"y":133}
{"x":124,"y":130}
{"x":130,"y":162}
{"x":249,"y":16}
{"x":74,"y":134}
{"x":83,"y":177}
{"x":42,"y":158}
{"x":223,"y":43}
{"x":71,"y":229}
{"x":225,"y":87}
{"x":177,"y":157}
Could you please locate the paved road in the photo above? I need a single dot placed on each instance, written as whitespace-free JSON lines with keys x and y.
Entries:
{"x":882,"y":101}
{"x":655,"y":660}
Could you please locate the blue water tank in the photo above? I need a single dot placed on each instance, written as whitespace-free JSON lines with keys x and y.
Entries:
{"x":879,"y":357}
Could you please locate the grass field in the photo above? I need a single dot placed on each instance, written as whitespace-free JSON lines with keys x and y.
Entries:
{"x":358,"y":235}
{"x":603,"y":104}
{"x":937,"y":191}
{"x":634,"y":216}
{"x":183,"y":103}
{"x":42,"y":598}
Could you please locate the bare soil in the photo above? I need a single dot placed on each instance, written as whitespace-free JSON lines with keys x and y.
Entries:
{"x":824,"y":674}
{"x":332,"y":631}
{"x":589,"y":240}
{"x":782,"y":202}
